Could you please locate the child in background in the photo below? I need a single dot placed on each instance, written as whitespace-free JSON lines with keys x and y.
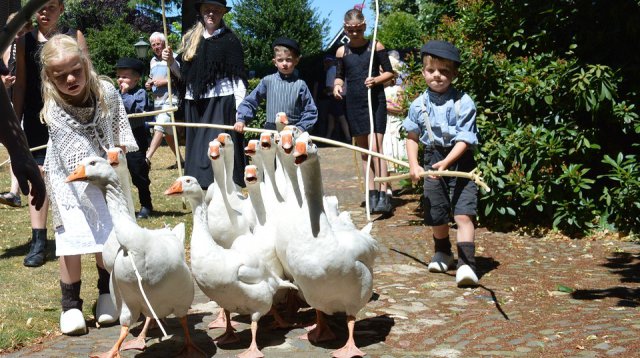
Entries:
{"x":284,"y":91}
{"x":135,"y":100}
{"x":353,"y":70}
{"x":84,"y":116}
{"x":392,"y":145}
{"x":444,"y":120}
{"x":27,"y":103}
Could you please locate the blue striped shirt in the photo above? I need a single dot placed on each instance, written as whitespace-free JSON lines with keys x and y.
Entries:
{"x":288,"y":94}
{"x":447,"y":126}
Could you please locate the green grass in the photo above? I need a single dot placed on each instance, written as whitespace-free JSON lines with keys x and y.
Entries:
{"x":30,"y":297}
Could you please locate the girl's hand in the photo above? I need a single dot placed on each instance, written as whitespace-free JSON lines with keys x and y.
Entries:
{"x":370,"y":82}
{"x":8,"y":81}
{"x":337,"y":89}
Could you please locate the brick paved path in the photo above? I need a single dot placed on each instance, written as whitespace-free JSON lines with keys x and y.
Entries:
{"x":519,"y":309}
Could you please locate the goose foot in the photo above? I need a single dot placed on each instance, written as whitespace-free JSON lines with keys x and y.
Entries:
{"x":348,"y":351}
{"x":252,"y":352}
{"x":221,"y":321}
{"x":228,"y":337}
{"x":279,"y":322}
{"x":138,"y":344}
{"x":318,"y":333}
{"x":109,"y":354}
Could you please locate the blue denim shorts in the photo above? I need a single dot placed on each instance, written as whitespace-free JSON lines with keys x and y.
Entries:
{"x":445,"y":197}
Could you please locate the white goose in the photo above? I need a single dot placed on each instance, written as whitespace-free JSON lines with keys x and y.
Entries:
{"x":333,"y":265}
{"x":237,"y":280}
{"x":158,"y":256}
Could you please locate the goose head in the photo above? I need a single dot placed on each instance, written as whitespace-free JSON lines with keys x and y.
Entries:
{"x":251,"y":175}
{"x":116,"y":156}
{"x":281,"y":120}
{"x":185,"y":186}
{"x":286,"y":141}
{"x":266,"y":140}
{"x":225,"y":140}
{"x":214,"y":149}
{"x":95,"y":170}
{"x":251,"y":148}
{"x":305,"y":149}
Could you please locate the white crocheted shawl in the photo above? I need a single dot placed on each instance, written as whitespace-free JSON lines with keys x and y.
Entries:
{"x":70,"y":141}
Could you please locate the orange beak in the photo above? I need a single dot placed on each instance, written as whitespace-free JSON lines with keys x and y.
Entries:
{"x":300,"y":154}
{"x":251,"y":174}
{"x":78,"y":174}
{"x":175,"y":188}
{"x":214,"y":150}
{"x":265,"y":140}
{"x":112,"y":156}
{"x":281,"y":117}
{"x":221,"y":138}
{"x":286,"y":141}
{"x":250,"y":149}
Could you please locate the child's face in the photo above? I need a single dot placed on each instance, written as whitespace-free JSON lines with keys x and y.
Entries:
{"x":285,"y":62}
{"x":49,"y":14}
{"x":438,"y":73}
{"x":355,"y":29}
{"x":68,"y":75}
{"x":127,"y":77}
{"x":212,"y":15}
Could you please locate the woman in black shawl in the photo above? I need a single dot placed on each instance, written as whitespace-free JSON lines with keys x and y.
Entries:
{"x":213,"y":85}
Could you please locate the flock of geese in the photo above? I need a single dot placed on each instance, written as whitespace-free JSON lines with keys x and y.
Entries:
{"x":248,"y":252}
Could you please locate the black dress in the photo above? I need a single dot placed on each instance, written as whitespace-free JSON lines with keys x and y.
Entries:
{"x":354,"y":70}
{"x":36,"y":132}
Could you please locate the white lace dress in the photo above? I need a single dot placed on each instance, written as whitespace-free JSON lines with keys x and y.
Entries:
{"x":392,"y":144}
{"x":80,"y":217}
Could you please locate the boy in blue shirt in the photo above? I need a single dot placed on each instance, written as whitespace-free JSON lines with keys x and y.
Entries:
{"x":284,"y":91}
{"x":135,"y":100}
{"x":444,"y":120}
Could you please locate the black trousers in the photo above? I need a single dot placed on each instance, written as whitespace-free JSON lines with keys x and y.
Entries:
{"x":139,"y":171}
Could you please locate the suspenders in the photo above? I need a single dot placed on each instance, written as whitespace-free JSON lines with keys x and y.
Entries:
{"x":427,"y":122}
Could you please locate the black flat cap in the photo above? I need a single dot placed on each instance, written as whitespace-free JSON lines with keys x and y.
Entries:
{"x":214,"y":2}
{"x":131,"y":63}
{"x":442,"y":49}
{"x":288,"y":43}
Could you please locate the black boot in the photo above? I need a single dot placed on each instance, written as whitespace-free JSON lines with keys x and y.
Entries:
{"x":373,"y":200}
{"x":38,"y":251}
{"x":384,"y":204}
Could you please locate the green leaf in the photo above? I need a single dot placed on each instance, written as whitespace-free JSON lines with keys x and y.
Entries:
{"x":548,"y":99}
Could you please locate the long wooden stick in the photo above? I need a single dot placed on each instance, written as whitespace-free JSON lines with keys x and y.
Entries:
{"x":472,"y":175}
{"x":152,"y":113}
{"x":171,"y":114}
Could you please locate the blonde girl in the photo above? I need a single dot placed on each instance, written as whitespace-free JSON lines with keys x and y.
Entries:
{"x":84,"y":116}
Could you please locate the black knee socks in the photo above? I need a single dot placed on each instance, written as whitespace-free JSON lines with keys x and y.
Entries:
{"x":467,"y":254}
{"x":442,"y":245}
{"x":70,"y":296}
{"x":103,"y":280}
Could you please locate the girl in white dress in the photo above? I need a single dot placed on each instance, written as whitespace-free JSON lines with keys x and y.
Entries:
{"x":85,"y":116}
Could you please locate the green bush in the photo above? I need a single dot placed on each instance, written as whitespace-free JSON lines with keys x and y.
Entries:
{"x":106,"y":46}
{"x":551,"y":116}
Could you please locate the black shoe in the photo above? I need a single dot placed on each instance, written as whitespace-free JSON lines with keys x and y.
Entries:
{"x":38,"y":250}
{"x":175,"y":165}
{"x":373,"y":200}
{"x":384,"y":204}
{"x":10,"y":199}
{"x":144,"y":213}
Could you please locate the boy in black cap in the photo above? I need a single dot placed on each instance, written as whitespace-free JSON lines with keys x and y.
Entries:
{"x":285,"y":92}
{"x":135,"y":100}
{"x":444,"y":120}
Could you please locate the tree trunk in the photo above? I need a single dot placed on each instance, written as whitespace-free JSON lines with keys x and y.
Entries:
{"x":188,"y":15}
